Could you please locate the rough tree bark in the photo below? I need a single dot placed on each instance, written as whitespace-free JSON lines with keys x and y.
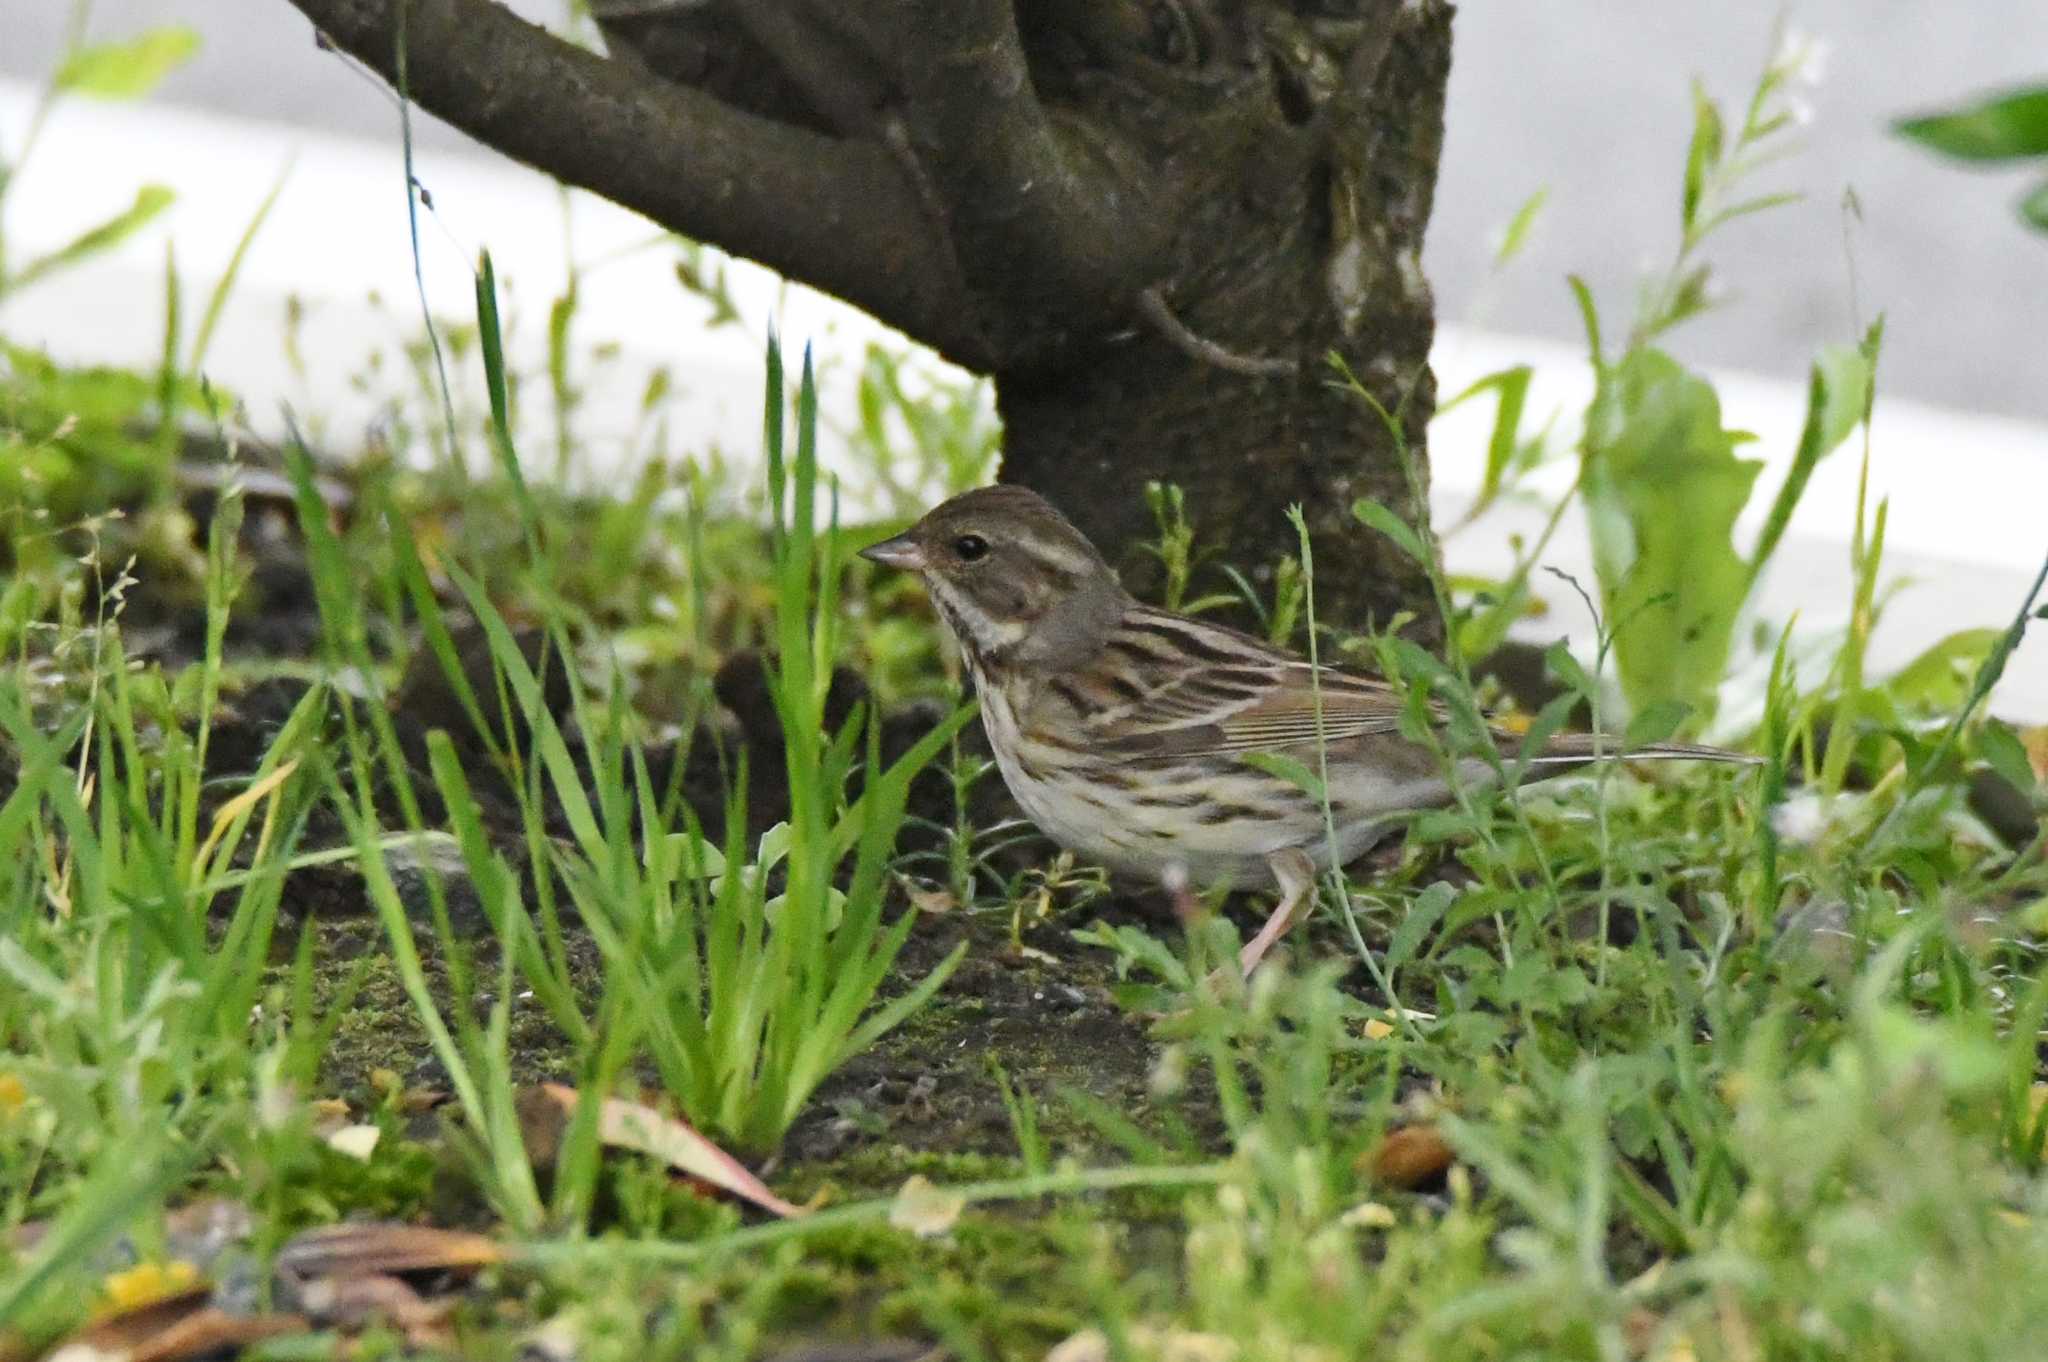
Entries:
{"x":1151,"y":221}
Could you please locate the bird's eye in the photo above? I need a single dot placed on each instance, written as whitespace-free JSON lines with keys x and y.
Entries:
{"x":970,"y":548}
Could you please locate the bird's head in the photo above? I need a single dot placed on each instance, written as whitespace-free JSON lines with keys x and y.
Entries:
{"x":1012,"y":579}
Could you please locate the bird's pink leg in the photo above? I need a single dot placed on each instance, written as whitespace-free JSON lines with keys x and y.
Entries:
{"x":1297,"y":876}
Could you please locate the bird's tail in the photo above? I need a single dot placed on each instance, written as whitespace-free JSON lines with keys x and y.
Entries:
{"x":1571,"y":749}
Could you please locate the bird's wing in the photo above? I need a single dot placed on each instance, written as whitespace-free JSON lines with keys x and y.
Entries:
{"x":1166,"y":685}
{"x":1169,"y":686}
{"x":1305,"y":708}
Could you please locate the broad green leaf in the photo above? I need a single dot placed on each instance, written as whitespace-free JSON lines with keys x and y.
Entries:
{"x":1559,"y":662}
{"x":2003,"y":751}
{"x":1654,"y":723}
{"x":128,"y":69}
{"x":2000,"y":127}
{"x":708,"y":863}
{"x":1495,"y":608}
{"x":1939,"y":678}
{"x":835,"y":908}
{"x":1424,"y":913}
{"x":1379,"y":517}
{"x":773,"y":847}
{"x":150,"y":200}
{"x":1662,"y":489}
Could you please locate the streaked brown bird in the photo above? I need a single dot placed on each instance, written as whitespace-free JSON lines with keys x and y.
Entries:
{"x":1124,"y":730}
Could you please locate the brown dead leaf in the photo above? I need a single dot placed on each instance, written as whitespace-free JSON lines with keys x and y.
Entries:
{"x":212,"y":1332}
{"x":642,"y":1129}
{"x":381,"y":1248}
{"x":119,"y":1330}
{"x":1410,"y":1157}
{"x":172,"y":1328}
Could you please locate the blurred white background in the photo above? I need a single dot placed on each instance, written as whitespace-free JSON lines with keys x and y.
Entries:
{"x":1589,"y":98}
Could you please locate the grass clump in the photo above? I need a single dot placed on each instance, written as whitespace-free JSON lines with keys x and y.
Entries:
{"x":1679,"y":1065}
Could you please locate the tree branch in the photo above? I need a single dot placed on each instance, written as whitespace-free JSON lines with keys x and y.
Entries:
{"x":1043,"y":222}
{"x":840,"y":216}
{"x":819,"y":67}
{"x":711,"y":47}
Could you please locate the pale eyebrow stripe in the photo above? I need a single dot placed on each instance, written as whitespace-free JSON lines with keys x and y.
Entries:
{"x":1061,"y":558}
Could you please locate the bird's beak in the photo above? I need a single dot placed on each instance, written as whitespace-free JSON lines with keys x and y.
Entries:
{"x":900,"y":552}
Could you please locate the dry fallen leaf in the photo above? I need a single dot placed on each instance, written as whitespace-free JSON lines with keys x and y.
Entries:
{"x":206,"y":1332}
{"x":346,"y":1276}
{"x":178,"y":1326}
{"x":924,"y":1208}
{"x":381,"y":1248}
{"x":1410,"y":1157}
{"x":630,"y":1125}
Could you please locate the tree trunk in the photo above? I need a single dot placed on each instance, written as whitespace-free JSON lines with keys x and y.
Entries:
{"x":1155,"y":222}
{"x":1302,"y":242}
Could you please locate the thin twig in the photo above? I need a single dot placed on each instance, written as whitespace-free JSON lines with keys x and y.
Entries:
{"x":1153,"y":306}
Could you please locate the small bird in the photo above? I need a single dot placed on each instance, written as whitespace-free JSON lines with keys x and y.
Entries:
{"x":1129,"y":733}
